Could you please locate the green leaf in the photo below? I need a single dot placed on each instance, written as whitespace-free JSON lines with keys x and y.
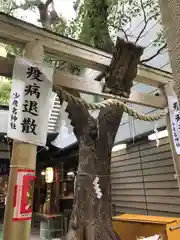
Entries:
{"x":5,"y":89}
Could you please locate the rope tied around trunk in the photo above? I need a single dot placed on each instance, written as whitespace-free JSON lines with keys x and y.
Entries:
{"x":82,"y":173}
{"x":116,"y":101}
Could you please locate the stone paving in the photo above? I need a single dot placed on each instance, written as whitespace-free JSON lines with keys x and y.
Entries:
{"x":36,"y":236}
{"x":33,"y":237}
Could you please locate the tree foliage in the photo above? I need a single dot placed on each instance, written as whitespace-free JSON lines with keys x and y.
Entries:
{"x":7,"y":6}
{"x":5,"y":88}
{"x":98,"y":23}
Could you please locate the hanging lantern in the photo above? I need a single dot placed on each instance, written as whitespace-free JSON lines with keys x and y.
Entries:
{"x":49,"y":175}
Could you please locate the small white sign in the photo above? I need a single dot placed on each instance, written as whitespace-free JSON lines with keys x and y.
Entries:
{"x":174,"y":111}
{"x":30,"y":101}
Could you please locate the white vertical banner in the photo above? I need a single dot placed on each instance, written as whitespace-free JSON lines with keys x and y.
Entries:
{"x":174,"y":112}
{"x":30,"y":101}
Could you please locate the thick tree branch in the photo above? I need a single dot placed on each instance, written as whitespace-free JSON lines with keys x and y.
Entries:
{"x":79,"y":117}
{"x":110,"y":118}
{"x":123,"y":67}
{"x":154,"y":55}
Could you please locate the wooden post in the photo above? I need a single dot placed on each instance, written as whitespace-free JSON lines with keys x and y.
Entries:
{"x":168,"y":89}
{"x":23,"y":157}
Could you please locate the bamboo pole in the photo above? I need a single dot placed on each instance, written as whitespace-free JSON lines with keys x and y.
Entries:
{"x":23,"y":157}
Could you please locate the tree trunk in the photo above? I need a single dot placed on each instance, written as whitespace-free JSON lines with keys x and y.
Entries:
{"x":123,"y":67}
{"x":170,"y":10}
{"x":91,"y":217}
{"x":95,"y":25}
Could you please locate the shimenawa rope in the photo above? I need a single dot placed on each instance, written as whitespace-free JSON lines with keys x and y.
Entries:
{"x":64,"y":95}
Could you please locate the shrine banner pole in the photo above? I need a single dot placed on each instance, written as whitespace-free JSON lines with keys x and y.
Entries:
{"x":23,"y":157}
{"x":169,"y":92}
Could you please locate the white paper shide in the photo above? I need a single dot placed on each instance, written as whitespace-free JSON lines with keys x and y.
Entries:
{"x":97,"y":187}
{"x":155,"y":237}
{"x":174,"y":111}
{"x":30,"y":102}
{"x":66,"y":136}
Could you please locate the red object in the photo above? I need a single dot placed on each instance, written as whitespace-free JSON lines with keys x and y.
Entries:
{"x":57,"y":175}
{"x":23,"y":198}
{"x":15,"y":196}
{"x":26,"y":187}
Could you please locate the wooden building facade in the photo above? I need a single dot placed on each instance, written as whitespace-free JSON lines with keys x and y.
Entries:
{"x":143,"y":180}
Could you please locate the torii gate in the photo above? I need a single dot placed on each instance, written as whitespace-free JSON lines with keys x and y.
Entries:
{"x":19,"y":33}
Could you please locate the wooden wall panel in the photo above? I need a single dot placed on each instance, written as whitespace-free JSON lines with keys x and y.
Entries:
{"x":143,"y":180}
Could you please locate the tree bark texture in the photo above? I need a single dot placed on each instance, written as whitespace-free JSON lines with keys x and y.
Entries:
{"x":170,"y":10}
{"x":123,"y":67}
{"x":91,"y":217}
